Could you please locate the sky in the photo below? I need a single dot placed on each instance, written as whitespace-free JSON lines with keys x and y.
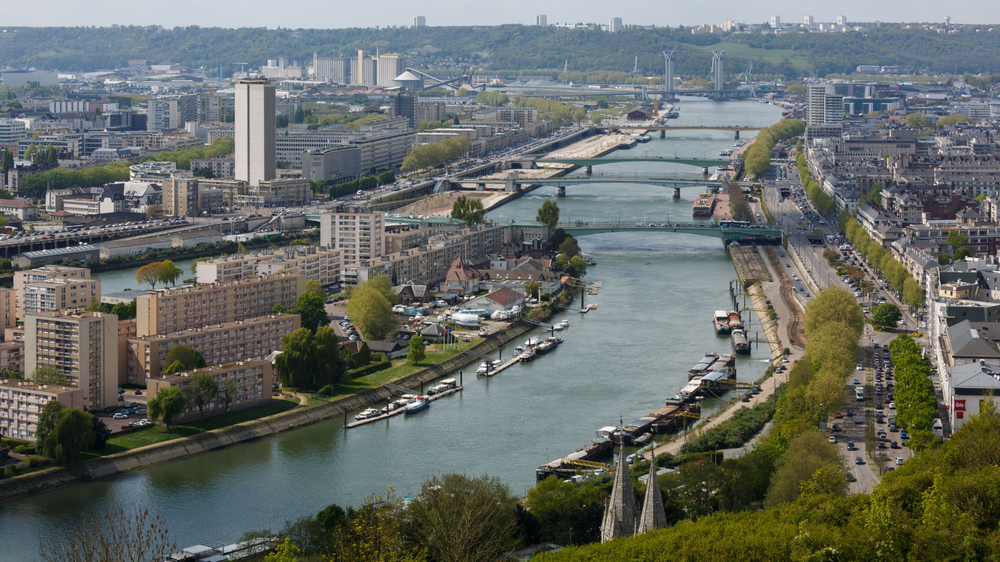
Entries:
{"x":340,"y":13}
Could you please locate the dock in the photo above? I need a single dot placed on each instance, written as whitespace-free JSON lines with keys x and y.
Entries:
{"x":397,"y":411}
{"x":595,"y":287}
{"x":501,"y":368}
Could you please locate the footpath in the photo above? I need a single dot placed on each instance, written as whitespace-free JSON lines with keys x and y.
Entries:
{"x":111,"y":465}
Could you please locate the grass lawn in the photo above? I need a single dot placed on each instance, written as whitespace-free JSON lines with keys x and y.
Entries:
{"x":401,"y":368}
{"x":126,"y":440}
{"x":798,"y":59}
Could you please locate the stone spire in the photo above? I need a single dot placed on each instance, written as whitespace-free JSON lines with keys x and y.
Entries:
{"x":619,"y":518}
{"x":653,"y":515}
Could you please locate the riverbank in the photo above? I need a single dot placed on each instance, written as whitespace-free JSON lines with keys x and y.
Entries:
{"x":143,"y":457}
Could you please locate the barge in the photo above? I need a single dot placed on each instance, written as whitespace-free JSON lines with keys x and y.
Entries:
{"x":704,"y":205}
{"x":740,"y":344}
{"x":721,"y":322}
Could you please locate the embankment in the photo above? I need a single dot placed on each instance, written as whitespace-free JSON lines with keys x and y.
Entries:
{"x":38,"y":482}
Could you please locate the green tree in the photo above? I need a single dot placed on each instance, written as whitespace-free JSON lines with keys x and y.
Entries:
{"x":417,"y":351}
{"x":370,"y":311}
{"x":194,"y":264}
{"x":957,"y":240}
{"x":333,"y":517}
{"x":201,"y":391}
{"x":313,"y":287}
{"x":72,"y":435}
{"x":531,"y":288}
{"x":173,"y":368}
{"x":228,"y":394}
{"x":913,"y":293}
{"x":886,"y":314}
{"x":47,"y":374}
{"x":952,"y":119}
{"x":310,"y":362}
{"x":548,"y":214}
{"x":167,"y":404}
{"x":312,"y":309}
{"x":917,"y":121}
{"x":468,"y":210}
{"x":148,"y":274}
{"x":569,"y":247}
{"x":190,"y":358}
{"x":573,"y":266}
{"x":795,"y":89}
{"x":167,"y":272}
{"x":286,"y":551}
{"x":833,"y":305}
{"x":47,"y":419}
{"x":806,"y":454}
{"x":875,"y":194}
{"x":101,"y":433}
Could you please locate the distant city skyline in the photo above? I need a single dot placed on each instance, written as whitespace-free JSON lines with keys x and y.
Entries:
{"x":400,"y":13}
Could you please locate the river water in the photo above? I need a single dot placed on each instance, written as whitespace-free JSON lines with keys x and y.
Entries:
{"x":652,"y":324}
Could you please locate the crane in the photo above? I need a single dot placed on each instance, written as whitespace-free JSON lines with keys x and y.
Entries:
{"x":635,"y":68}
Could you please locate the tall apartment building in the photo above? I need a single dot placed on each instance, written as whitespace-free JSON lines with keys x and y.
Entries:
{"x":81,"y":345}
{"x":54,"y":277}
{"x":162,"y":115}
{"x":824,"y":111}
{"x":311,"y":262}
{"x":331,"y":69}
{"x":359,"y":235}
{"x":430,"y":111}
{"x":808,"y":22}
{"x":255,"y":338}
{"x":11,"y":131}
{"x":251,"y":381}
{"x":615,"y":25}
{"x":222,"y":167}
{"x":180,"y":197}
{"x":419,"y":21}
{"x":180,"y":308}
{"x":541,"y":19}
{"x":775,"y":22}
{"x":405,"y":105}
{"x":390,"y":65}
{"x":22,"y":401}
{"x":255,"y":131}
{"x":366,"y":71}
{"x":520,"y":115}
{"x":8,"y":309}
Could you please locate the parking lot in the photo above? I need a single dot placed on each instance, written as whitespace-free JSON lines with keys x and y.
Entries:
{"x":131,"y":410}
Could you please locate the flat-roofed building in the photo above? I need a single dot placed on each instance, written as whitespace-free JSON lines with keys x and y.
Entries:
{"x":312,"y":262}
{"x":22,"y":401}
{"x":193,"y":306}
{"x":255,"y":338}
{"x":12,"y":357}
{"x":54,"y":287}
{"x":251,"y":382}
{"x":359,"y":234}
{"x":8,"y":308}
{"x":83,"y":346}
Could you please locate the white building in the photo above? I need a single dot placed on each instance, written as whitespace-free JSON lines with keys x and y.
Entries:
{"x":775,"y":22}
{"x":390,"y":65}
{"x":11,"y":131}
{"x":540,"y":19}
{"x":255,"y":131}
{"x":841,"y":20}
{"x":161,"y":115}
{"x":808,"y":22}
{"x":359,"y":235}
{"x":615,"y":25}
{"x":419,"y":21}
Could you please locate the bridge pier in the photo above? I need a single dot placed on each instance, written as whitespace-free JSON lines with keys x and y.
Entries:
{"x":663,"y":134}
{"x":737,"y":135}
{"x":589,"y":170}
{"x":481,"y":186}
{"x":561,"y":191}
{"x":704,"y":172}
{"x":677,"y":193}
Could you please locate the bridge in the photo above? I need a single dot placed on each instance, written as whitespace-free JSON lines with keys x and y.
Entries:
{"x":514,"y":183}
{"x":664,"y":128}
{"x":702,"y":229}
{"x":590,"y":162}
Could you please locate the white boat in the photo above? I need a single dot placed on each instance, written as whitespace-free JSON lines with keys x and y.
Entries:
{"x":369,"y":413}
{"x":497,"y":363}
{"x":557,"y":326}
{"x":533,"y":341}
{"x":421,"y":403}
{"x":563,"y":324}
{"x":518,"y":350}
{"x":483,"y":368}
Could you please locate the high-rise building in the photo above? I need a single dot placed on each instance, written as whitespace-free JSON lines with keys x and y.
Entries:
{"x":405,"y":105}
{"x":331,"y":69}
{"x":21,"y":401}
{"x":390,"y":65}
{"x":615,"y":25}
{"x":824,"y":111}
{"x":419,"y":21}
{"x":360,"y":235}
{"x":808,"y":22}
{"x":775,"y":22}
{"x":255,"y":131}
{"x":162,"y":115}
{"x":366,"y":73}
{"x":83,"y":346}
{"x":8,"y":309}
{"x":54,"y":287}
{"x":541,"y":19}
{"x":841,"y":20}
{"x":180,"y":197}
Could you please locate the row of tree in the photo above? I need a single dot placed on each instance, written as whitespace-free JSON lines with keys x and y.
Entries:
{"x":361,"y":184}
{"x":916,"y":403}
{"x":881,"y":260}
{"x":84,"y":177}
{"x":469,"y":210}
{"x":757,"y":158}
{"x":42,"y":155}
{"x":553,"y":109}
{"x":433,"y":154}
{"x":496,"y":99}
{"x":813,"y":190}
{"x":219,"y":147}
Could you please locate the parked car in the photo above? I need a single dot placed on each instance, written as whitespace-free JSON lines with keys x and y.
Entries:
{"x":120,"y":416}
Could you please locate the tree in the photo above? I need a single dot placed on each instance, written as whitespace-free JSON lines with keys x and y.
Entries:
{"x":310,"y":362}
{"x":167,"y":272}
{"x":48,"y":374}
{"x":286,"y":551}
{"x":188,"y":357}
{"x":194,"y":264}
{"x":573,"y":266}
{"x":47,"y":419}
{"x":913,"y":293}
{"x":463,"y":519}
{"x":917,"y":121}
{"x":952,"y":119}
{"x":148,"y":274}
{"x":795,"y":89}
{"x":569,"y":247}
{"x":834,"y":305}
{"x":118,"y":535}
{"x":370,"y":311}
{"x":548,"y":214}
{"x":7,"y":164}
{"x":167,"y":404}
{"x":313,"y":287}
{"x":886,"y":314}
{"x":875,"y":194}
{"x":333,"y":517}
{"x":312,"y":309}
{"x":206,"y":173}
{"x":468,"y":210}
{"x":72,"y":435}
{"x":417,"y":350}
{"x":957,"y":240}
{"x":202,"y":390}
{"x":173,"y":368}
{"x":531,"y":288}
{"x":806,"y":454}
{"x":101,"y":433}
{"x":228,"y":394}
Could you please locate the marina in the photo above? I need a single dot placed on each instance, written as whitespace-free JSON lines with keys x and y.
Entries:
{"x":395,"y":411}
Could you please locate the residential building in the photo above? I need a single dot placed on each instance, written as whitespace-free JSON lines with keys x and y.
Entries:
{"x":775,"y":22}
{"x":22,"y":401}
{"x":162,"y":115}
{"x":972,"y":342}
{"x":11,"y":131}
{"x":83,"y":346}
{"x":383,"y":144}
{"x":808,"y":22}
{"x":250,"y":382}
{"x":432,"y":111}
{"x":59,"y":294}
{"x":255,"y":131}
{"x":223,"y":167}
{"x":358,"y":234}
{"x":520,"y":115}
{"x":541,"y":19}
{"x":405,"y":105}
{"x":8,"y":309}
{"x":218,"y":344}
{"x":192,"y":306}
{"x":12,"y":357}
{"x":19,"y":208}
{"x":337,"y":164}
{"x":180,"y":197}
{"x":49,"y":273}
{"x":419,"y":21}
{"x":390,"y":65}
{"x":500,"y":300}
{"x":311,"y":262}
{"x":968,"y":386}
{"x":615,"y":25}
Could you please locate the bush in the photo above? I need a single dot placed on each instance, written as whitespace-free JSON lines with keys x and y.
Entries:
{"x":12,"y":443}
{"x":368,"y":369}
{"x":325,"y":391}
{"x":25,"y":449}
{"x":34,"y":462}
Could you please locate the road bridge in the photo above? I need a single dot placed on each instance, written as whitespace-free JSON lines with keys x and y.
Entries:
{"x":714,"y":230}
{"x":704,"y":163}
{"x":514,"y":183}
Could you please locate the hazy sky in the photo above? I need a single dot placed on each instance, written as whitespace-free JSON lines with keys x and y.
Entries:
{"x":337,"y":13}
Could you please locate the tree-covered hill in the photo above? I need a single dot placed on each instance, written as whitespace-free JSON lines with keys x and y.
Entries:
{"x":508,"y":47}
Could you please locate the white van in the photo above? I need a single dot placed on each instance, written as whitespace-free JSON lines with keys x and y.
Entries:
{"x":938,"y":427}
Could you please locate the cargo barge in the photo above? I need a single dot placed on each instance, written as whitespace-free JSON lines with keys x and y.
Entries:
{"x":735,"y":322}
{"x":740,"y":344}
{"x":587,"y":457}
{"x":712,"y":362}
{"x":704,"y":205}
{"x":628,"y":143}
{"x":721,"y":322}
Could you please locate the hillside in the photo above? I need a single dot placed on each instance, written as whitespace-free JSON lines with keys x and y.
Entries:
{"x":507,"y":47}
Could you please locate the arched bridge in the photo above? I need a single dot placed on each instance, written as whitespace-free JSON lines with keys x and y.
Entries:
{"x":702,"y":229}
{"x":589,"y":162}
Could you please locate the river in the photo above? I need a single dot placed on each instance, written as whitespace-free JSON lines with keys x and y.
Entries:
{"x":621,"y":361}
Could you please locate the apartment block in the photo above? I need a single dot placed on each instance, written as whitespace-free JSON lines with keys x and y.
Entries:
{"x":180,"y":308}
{"x":359,"y":235}
{"x":8,"y":308}
{"x":22,"y":401}
{"x":520,"y":115}
{"x":180,"y":197}
{"x":54,"y":287}
{"x":12,"y":357}
{"x":242,"y":340}
{"x":251,"y":381}
{"x":222,"y":167}
{"x":82,"y":345}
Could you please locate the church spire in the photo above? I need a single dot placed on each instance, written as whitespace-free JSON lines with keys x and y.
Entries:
{"x":653,"y":516}
{"x":619,"y":518}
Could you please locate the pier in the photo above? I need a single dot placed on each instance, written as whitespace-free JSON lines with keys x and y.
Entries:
{"x":397,"y":411}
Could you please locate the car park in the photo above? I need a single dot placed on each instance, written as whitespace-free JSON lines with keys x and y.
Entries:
{"x":859,"y":460}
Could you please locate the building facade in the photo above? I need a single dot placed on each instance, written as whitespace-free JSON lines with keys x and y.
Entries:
{"x":255,"y":131}
{"x":22,"y":401}
{"x":251,"y":385}
{"x":46,"y":274}
{"x":359,"y":235}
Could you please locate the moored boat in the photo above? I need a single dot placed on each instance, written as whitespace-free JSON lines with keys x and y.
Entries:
{"x":735,"y":322}
{"x":369,"y":413}
{"x":418,"y":405}
{"x":528,"y":355}
{"x":721,"y":321}
{"x":740,"y":344}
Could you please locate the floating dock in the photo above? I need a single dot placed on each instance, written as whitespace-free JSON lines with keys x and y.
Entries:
{"x":398,"y":411}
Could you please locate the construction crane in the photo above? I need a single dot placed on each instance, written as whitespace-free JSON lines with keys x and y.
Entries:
{"x":635,"y":68}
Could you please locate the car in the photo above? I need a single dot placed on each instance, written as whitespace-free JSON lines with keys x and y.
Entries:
{"x":838,"y":415}
{"x":138,"y":392}
{"x":127,"y":426}
{"x":851,"y":478}
{"x":899,"y":460}
{"x":856,"y":381}
{"x":833,"y":439}
{"x":860,"y":368}
{"x":904,"y":435}
{"x":892,"y":405}
{"x":859,"y":460}
{"x":850,"y":412}
{"x":121,"y":397}
{"x":850,"y":446}
{"x":120,"y":416}
{"x":894,"y":445}
{"x":893,"y":428}
{"x":882,"y":445}
{"x":835,"y":427}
